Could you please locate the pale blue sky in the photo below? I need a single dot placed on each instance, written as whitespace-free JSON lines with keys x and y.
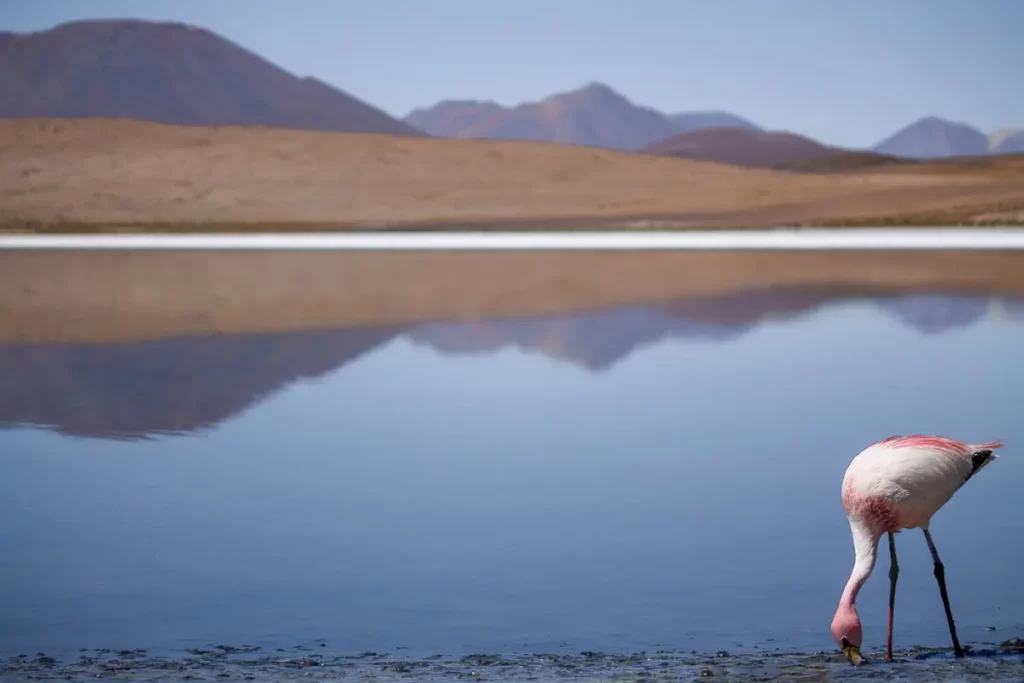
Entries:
{"x":846,"y":72}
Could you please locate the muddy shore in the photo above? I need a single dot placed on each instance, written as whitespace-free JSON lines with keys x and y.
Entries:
{"x":988,"y":662}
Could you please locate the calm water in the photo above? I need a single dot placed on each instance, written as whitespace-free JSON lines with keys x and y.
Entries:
{"x":623,"y":480}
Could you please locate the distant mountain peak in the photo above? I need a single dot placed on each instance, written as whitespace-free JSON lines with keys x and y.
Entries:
{"x":593,"y":93}
{"x":598,"y":88}
{"x":941,"y":121}
{"x":934,"y":137}
{"x":1006,"y":141}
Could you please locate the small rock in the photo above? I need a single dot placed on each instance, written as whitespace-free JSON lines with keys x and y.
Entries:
{"x":301,"y":663}
{"x":706,"y":673}
{"x":1016,"y":644}
{"x":722,"y":653}
{"x":989,"y":628}
{"x":231,"y":649}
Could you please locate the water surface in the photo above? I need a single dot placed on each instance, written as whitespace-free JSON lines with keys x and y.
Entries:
{"x":632,"y":479}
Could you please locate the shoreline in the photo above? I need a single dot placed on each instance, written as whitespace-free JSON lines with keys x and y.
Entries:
{"x":1001,"y":218}
{"x":996,"y":662}
{"x":775,"y":239}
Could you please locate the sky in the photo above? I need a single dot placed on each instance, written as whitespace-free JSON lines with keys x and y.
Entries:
{"x":846,"y":72}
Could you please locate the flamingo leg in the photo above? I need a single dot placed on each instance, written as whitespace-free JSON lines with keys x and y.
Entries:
{"x":940,"y":576}
{"x":894,"y":573}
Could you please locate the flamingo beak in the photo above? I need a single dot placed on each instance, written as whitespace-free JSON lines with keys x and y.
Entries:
{"x":852,"y":653}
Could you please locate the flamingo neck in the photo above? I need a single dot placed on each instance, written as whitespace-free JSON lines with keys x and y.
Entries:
{"x":865,"y":548}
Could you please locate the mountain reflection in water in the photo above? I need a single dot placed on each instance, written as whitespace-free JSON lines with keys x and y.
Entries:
{"x":182,"y":385}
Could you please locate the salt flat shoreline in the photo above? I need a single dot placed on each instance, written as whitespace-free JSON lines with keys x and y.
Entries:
{"x":873,"y":238}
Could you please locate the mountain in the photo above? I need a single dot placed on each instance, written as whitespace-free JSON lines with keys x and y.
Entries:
{"x":1007,"y":141}
{"x":996,"y":138}
{"x":593,"y":115}
{"x":932,"y":138}
{"x":450,"y":118}
{"x":763,"y":149}
{"x":170,"y":73}
{"x":699,"y":120}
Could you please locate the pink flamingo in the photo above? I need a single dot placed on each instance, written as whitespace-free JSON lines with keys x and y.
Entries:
{"x":896,"y":484}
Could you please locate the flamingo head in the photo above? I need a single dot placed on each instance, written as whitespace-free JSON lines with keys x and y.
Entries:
{"x":847,"y":632}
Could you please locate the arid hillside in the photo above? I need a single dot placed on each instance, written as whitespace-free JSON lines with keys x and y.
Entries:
{"x":168,"y":72}
{"x":763,"y":149}
{"x":109,"y":173}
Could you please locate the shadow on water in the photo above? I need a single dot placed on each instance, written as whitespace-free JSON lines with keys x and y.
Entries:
{"x":183,"y":385}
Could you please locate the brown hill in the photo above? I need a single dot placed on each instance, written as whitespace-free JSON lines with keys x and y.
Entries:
{"x":842,"y":160}
{"x":763,"y":149}
{"x":171,"y":73}
{"x":594,"y":115}
{"x":989,"y":166}
{"x":103,"y":172}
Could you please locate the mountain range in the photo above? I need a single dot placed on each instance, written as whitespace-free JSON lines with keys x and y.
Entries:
{"x":182,"y":74}
{"x":1007,"y":141}
{"x":597,"y":115}
{"x":593,"y":115}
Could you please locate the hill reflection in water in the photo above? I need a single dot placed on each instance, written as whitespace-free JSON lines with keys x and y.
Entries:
{"x":187,"y":384}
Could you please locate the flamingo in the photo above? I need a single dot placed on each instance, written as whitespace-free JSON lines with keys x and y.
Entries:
{"x":895,"y":484}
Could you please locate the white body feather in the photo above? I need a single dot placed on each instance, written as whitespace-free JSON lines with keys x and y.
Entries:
{"x":895,"y":484}
{"x":917,"y":480}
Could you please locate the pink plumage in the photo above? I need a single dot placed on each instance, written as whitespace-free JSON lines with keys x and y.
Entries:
{"x":937,"y":442}
{"x":895,"y":484}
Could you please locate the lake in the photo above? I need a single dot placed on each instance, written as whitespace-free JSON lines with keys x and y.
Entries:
{"x":639,"y":478}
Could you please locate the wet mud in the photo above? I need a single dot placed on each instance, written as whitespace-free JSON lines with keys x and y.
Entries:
{"x":989,"y":662}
